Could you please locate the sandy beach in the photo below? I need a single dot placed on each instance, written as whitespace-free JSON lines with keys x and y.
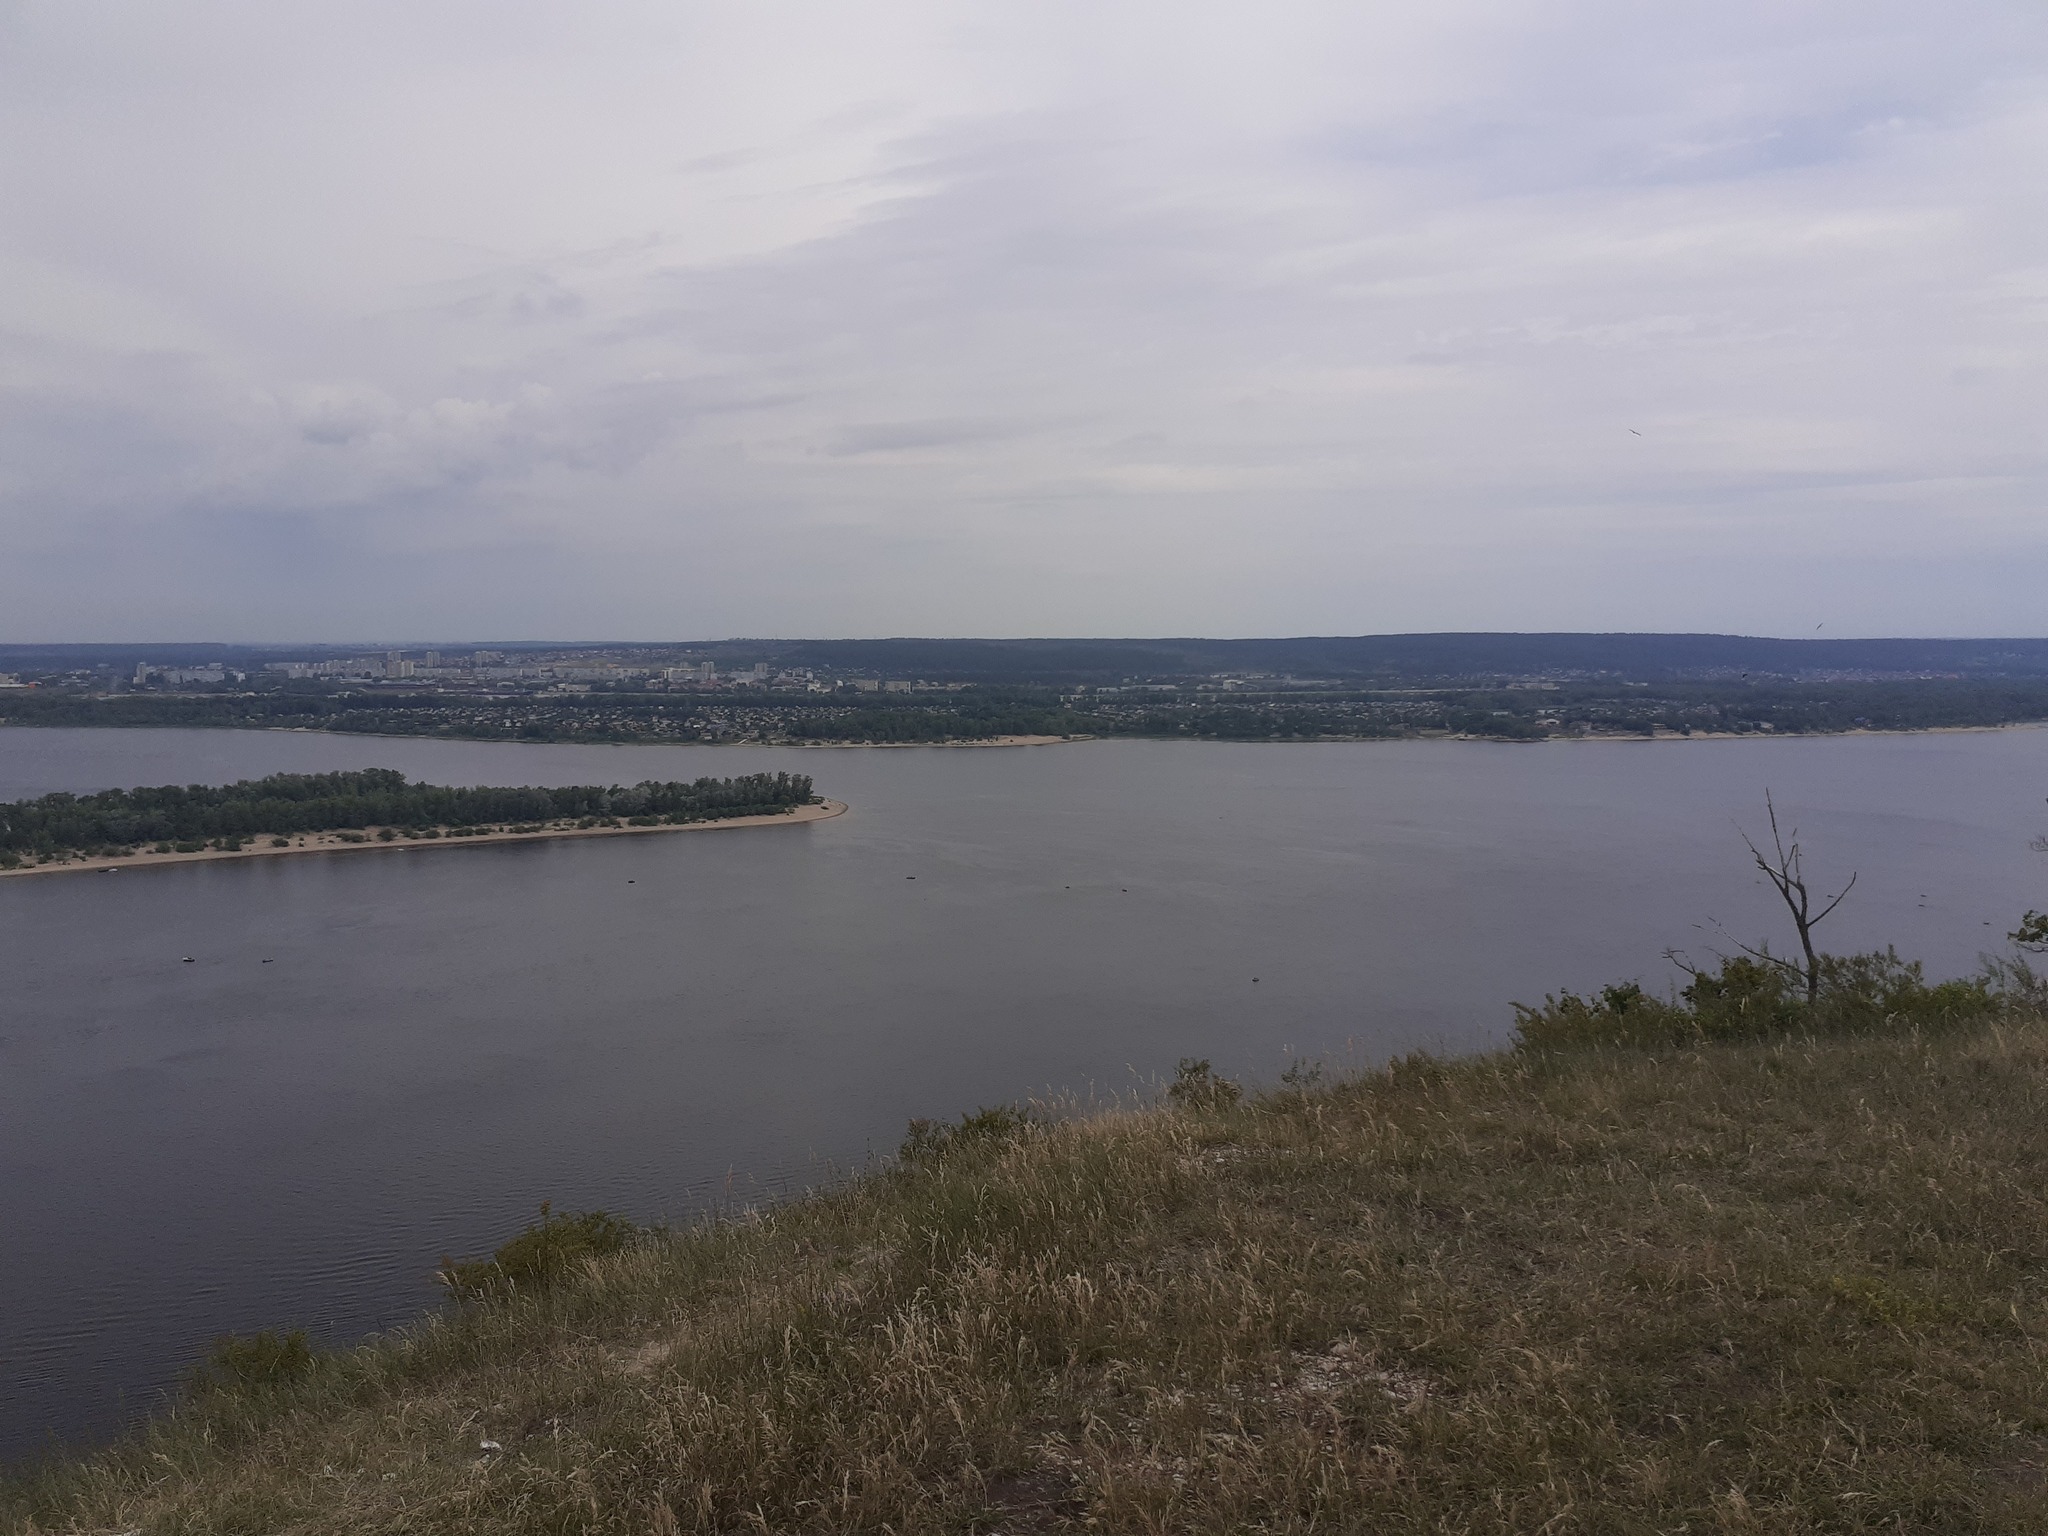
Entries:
{"x":967,"y":741}
{"x":333,"y":842}
{"x":1861,"y":730}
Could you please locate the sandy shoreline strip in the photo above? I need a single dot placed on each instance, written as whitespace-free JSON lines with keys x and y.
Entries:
{"x":329,"y":842}
{"x":961,"y":741}
{"x":1860,"y":730}
{"x":1054,"y":741}
{"x":633,"y":741}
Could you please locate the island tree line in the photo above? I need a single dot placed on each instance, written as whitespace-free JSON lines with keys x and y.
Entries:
{"x":287,"y":804}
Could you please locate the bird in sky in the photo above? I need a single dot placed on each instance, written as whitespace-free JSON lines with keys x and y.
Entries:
{"x":1638,"y":434}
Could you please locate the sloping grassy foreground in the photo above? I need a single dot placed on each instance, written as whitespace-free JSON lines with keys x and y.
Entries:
{"x":1769,"y":1286}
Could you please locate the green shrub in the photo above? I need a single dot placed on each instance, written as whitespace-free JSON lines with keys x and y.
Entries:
{"x":352,"y":837}
{"x":1863,"y":993}
{"x":258,"y":1360}
{"x":190,"y":846}
{"x":1623,"y":1014}
{"x":1196,"y":1086}
{"x":1753,"y":997}
{"x":546,"y":1252}
{"x":2015,"y":983}
{"x":280,"y":842}
{"x":1303,"y":1074}
{"x":928,"y":1140}
{"x":1746,"y":999}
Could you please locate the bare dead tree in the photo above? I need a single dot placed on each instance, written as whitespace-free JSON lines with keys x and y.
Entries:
{"x":1783,"y":868}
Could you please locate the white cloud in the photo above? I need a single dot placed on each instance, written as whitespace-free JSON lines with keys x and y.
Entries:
{"x":1020,"y":319}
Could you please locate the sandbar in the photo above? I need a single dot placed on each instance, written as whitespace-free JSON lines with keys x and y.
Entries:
{"x":332,"y":842}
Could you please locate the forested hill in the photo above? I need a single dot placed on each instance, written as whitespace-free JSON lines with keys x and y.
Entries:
{"x":1416,"y":658}
{"x":119,"y":820}
{"x":1421,"y":658}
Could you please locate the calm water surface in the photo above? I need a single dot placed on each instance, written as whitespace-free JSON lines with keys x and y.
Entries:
{"x":380,"y":1057}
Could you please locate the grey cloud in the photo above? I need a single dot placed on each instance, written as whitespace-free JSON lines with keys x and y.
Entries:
{"x":1234,"y":342}
{"x":892,"y":437}
{"x":339,"y":414}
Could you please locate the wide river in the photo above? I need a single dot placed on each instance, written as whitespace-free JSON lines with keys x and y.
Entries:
{"x":380,"y":1057}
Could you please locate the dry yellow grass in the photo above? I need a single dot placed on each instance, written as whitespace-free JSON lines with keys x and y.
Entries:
{"x":1792,"y":1286}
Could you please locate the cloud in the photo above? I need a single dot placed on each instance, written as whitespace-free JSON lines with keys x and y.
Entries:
{"x":898,"y":436}
{"x":714,"y":319}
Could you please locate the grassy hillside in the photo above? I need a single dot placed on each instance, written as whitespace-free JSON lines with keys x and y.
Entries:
{"x":1786,"y":1283}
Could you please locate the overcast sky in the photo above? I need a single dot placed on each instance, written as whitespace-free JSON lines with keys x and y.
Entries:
{"x":458,"y":318}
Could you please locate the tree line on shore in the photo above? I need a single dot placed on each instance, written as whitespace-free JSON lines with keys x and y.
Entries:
{"x":286,"y":804}
{"x":1248,"y":713}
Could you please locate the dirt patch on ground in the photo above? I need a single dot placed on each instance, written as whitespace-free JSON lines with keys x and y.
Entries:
{"x":1324,"y":1375}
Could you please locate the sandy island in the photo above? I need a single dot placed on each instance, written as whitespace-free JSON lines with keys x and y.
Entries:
{"x":334,"y":842}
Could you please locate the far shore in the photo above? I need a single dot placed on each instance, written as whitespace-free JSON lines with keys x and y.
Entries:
{"x":332,"y":842}
{"x":1075,"y":740}
{"x":635,"y":741}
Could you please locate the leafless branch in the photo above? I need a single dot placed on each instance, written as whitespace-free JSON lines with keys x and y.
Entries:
{"x":1784,"y":868}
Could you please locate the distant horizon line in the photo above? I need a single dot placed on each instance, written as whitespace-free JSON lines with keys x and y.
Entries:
{"x":1043,"y":639}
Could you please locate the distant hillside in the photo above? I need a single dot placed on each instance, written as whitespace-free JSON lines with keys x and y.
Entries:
{"x":1431,"y":658}
{"x":1416,"y":657}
